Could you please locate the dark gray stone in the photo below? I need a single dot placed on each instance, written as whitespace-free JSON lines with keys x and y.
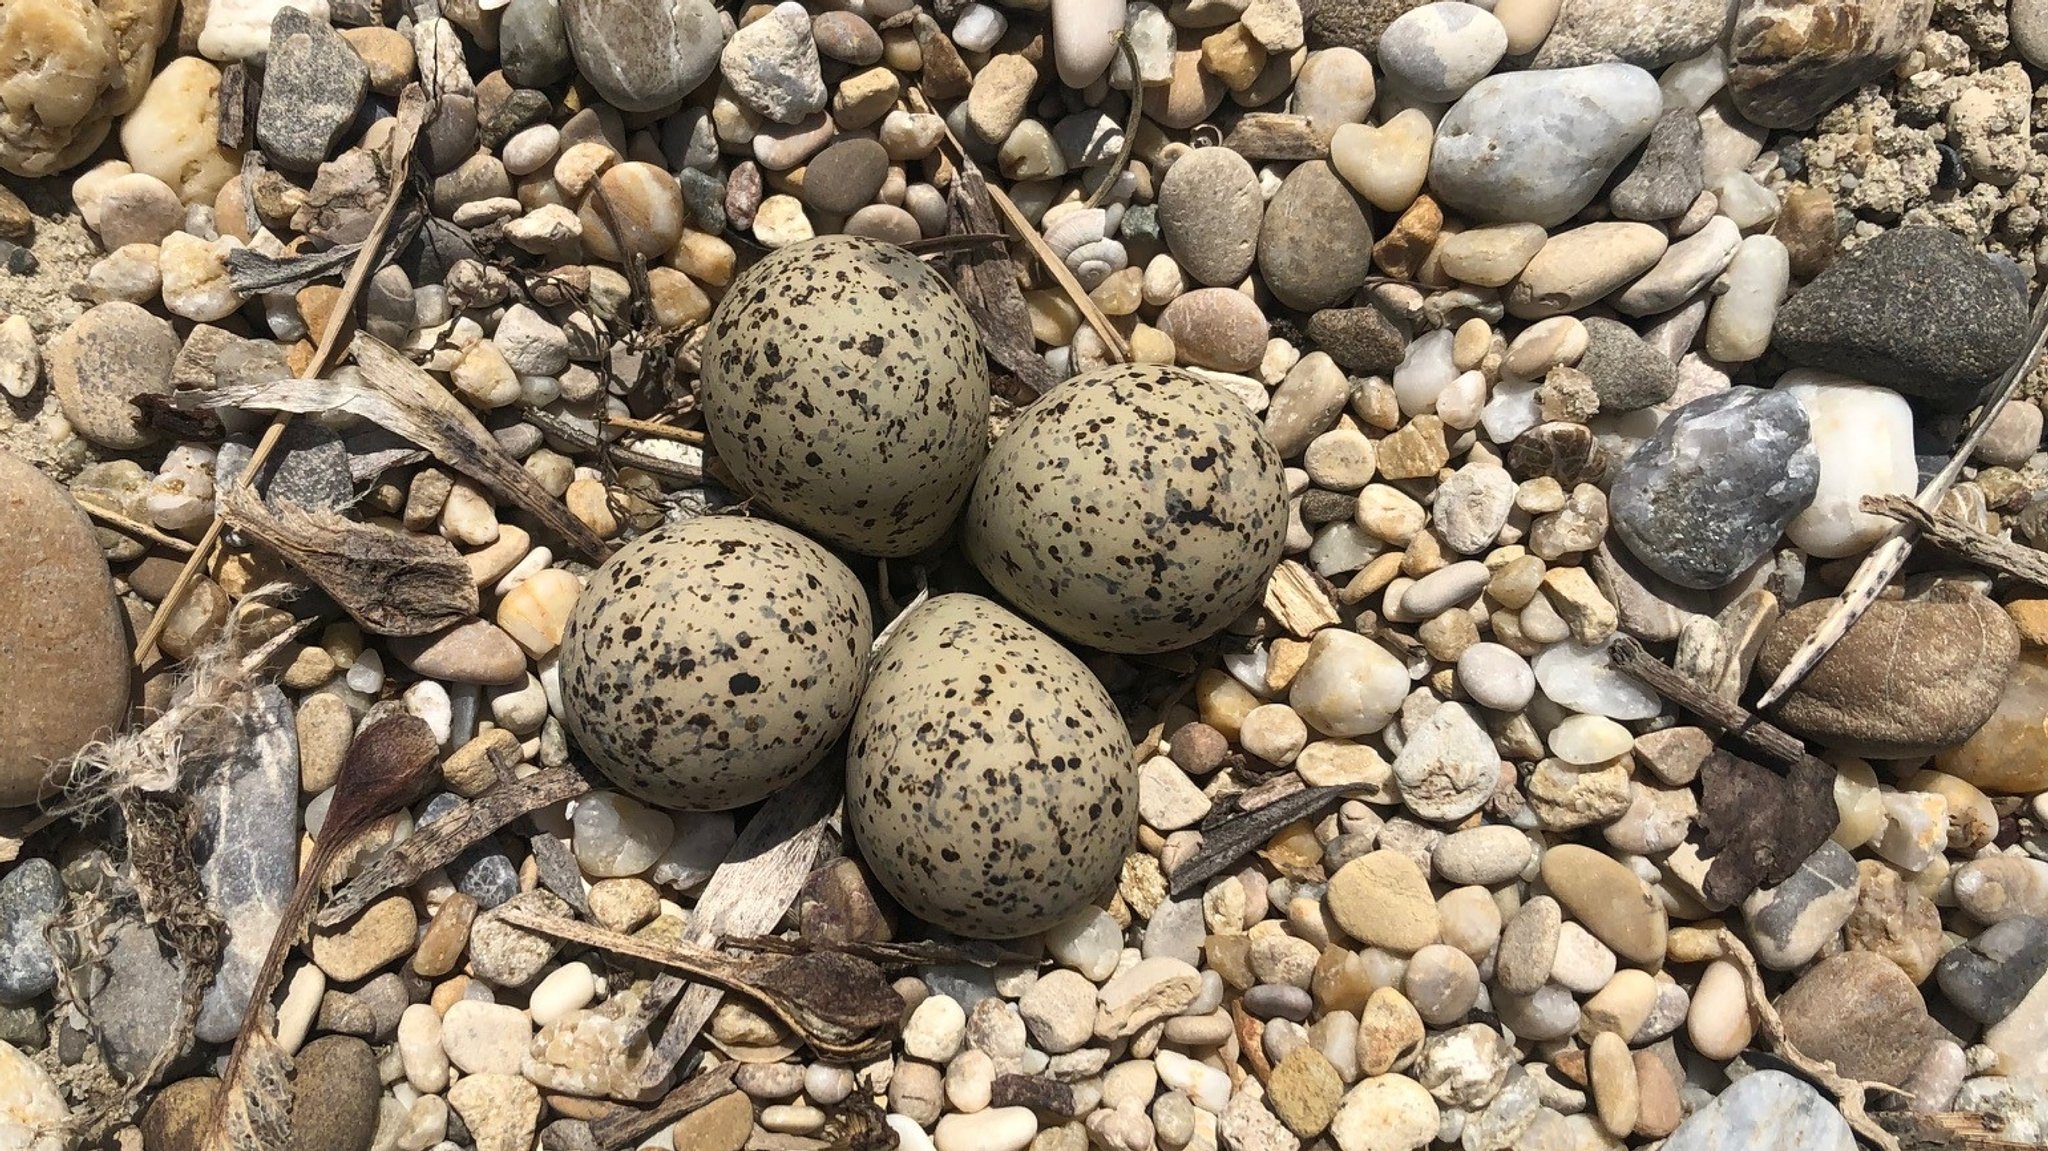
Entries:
{"x":483,"y":872}
{"x":313,"y":83}
{"x":533,"y":43}
{"x":248,"y":850}
{"x":310,"y":468}
{"x":135,"y":1011}
{"x":1917,"y":309}
{"x":1708,"y":494}
{"x":1663,"y":179}
{"x":703,"y":199}
{"x":642,"y":55}
{"x":1361,"y":340}
{"x":1626,"y":371}
{"x":1988,"y":976}
{"x":31,"y":896}
{"x":1351,"y":23}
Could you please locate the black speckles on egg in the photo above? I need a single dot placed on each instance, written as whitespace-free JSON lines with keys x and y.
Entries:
{"x":714,"y":661}
{"x":989,"y":781}
{"x":1136,"y":508}
{"x":844,"y":386}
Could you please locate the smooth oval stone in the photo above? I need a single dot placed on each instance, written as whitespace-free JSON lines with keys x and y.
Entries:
{"x":642,"y":55}
{"x":1084,"y":38}
{"x":107,"y":357}
{"x":1684,"y":271}
{"x":1764,"y":1109}
{"x":1707,"y":496}
{"x":1988,"y":976}
{"x":533,"y":43}
{"x":1210,"y":207}
{"x":1216,"y":328}
{"x":1859,"y":1011}
{"x":1574,"y":268}
{"x":62,"y":633}
{"x":1315,"y":246}
{"x":1536,"y":146}
{"x":1438,"y":51}
{"x":1910,"y":678}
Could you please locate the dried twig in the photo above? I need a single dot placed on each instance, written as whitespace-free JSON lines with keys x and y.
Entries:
{"x":391,"y":582}
{"x":1848,"y":1092}
{"x":122,"y":523}
{"x":1115,"y":171}
{"x":1960,"y":539}
{"x":1738,"y":722}
{"x":658,"y":431}
{"x":382,"y":773}
{"x":1884,"y":562}
{"x":1239,"y":835}
{"x":439,"y":842}
{"x":747,"y":895}
{"x":623,"y":1127}
{"x":412,"y":107}
{"x":911,"y":953}
{"x":393,"y":392}
{"x":1113,"y":341}
{"x":839,"y":1004}
{"x":553,"y":425}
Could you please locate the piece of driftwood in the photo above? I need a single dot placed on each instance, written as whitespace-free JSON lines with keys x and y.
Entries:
{"x":438,"y":843}
{"x":1849,"y":1093}
{"x":391,"y":582}
{"x":1299,"y":600}
{"x":1950,"y":1131}
{"x":625,"y":1127}
{"x":1261,"y":136}
{"x":986,"y":280}
{"x":747,"y":895}
{"x":382,"y":772}
{"x":412,"y":111}
{"x":1963,"y":541}
{"x":136,"y":528}
{"x":1884,"y":562}
{"x":1241,"y":834}
{"x":1738,"y":722}
{"x":840,"y":1004}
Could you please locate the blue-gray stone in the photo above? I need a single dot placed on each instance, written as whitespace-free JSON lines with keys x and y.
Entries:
{"x":1436,"y":52}
{"x":247,"y":850}
{"x":533,"y":43}
{"x":1708,"y":495}
{"x":1536,"y":146}
{"x":1917,"y":309}
{"x":313,"y":83}
{"x":1988,"y":976}
{"x":135,"y":1007}
{"x":31,"y":896}
{"x":1794,"y":920}
{"x":1764,"y":1109}
{"x":642,"y":55}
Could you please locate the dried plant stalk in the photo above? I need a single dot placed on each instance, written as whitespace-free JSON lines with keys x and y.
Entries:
{"x":1957,"y":538}
{"x":391,"y":582}
{"x":382,"y":773}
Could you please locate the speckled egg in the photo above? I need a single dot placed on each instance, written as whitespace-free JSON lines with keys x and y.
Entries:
{"x":844,"y":386}
{"x":989,"y":781}
{"x":1135,"y":508}
{"x":710,"y":663}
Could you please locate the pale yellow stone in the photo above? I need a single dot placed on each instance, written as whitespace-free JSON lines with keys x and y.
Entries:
{"x":171,"y":133}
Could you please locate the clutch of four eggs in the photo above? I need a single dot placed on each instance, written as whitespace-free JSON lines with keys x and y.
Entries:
{"x":990,"y":786}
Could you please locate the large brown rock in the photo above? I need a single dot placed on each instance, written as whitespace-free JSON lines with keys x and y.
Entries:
{"x":1911,"y":678}
{"x":68,"y":70}
{"x":1790,"y":60}
{"x":1860,"y":1012}
{"x":62,"y":640}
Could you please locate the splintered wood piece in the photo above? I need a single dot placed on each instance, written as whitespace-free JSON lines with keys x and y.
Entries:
{"x":747,"y":895}
{"x":839,"y":1004}
{"x":1965,"y":542}
{"x":1737,"y":721}
{"x":623,"y":1127}
{"x":1300,"y":601}
{"x":391,"y":582}
{"x":1276,"y":136}
{"x":438,"y":843}
{"x":1240,"y":835}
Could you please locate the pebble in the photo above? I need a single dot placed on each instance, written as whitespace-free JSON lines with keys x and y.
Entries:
{"x":1448,"y":767}
{"x":1348,"y":685}
{"x":641,"y":57}
{"x":1783,"y":71}
{"x":1388,"y":163}
{"x":1859,"y":1011}
{"x":1436,"y":52}
{"x":336,"y":1092}
{"x":31,"y":897}
{"x":107,"y":357}
{"x":1764,"y":1108}
{"x":1315,"y":243}
{"x":1792,"y":922}
{"x":771,"y":65}
{"x":1216,"y":328}
{"x":1609,"y":900}
{"x":1383,"y":899}
{"x":1988,"y":976}
{"x":1385,"y":1113}
{"x":1497,"y":164}
{"x":996,"y":1129}
{"x":501,"y":1111}
{"x":1708,"y":495}
{"x":1083,"y":38}
{"x":1210,"y":209}
{"x":1575,"y":268}
{"x":313,"y":82}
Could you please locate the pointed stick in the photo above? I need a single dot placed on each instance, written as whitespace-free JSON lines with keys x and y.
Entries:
{"x":1884,"y":562}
